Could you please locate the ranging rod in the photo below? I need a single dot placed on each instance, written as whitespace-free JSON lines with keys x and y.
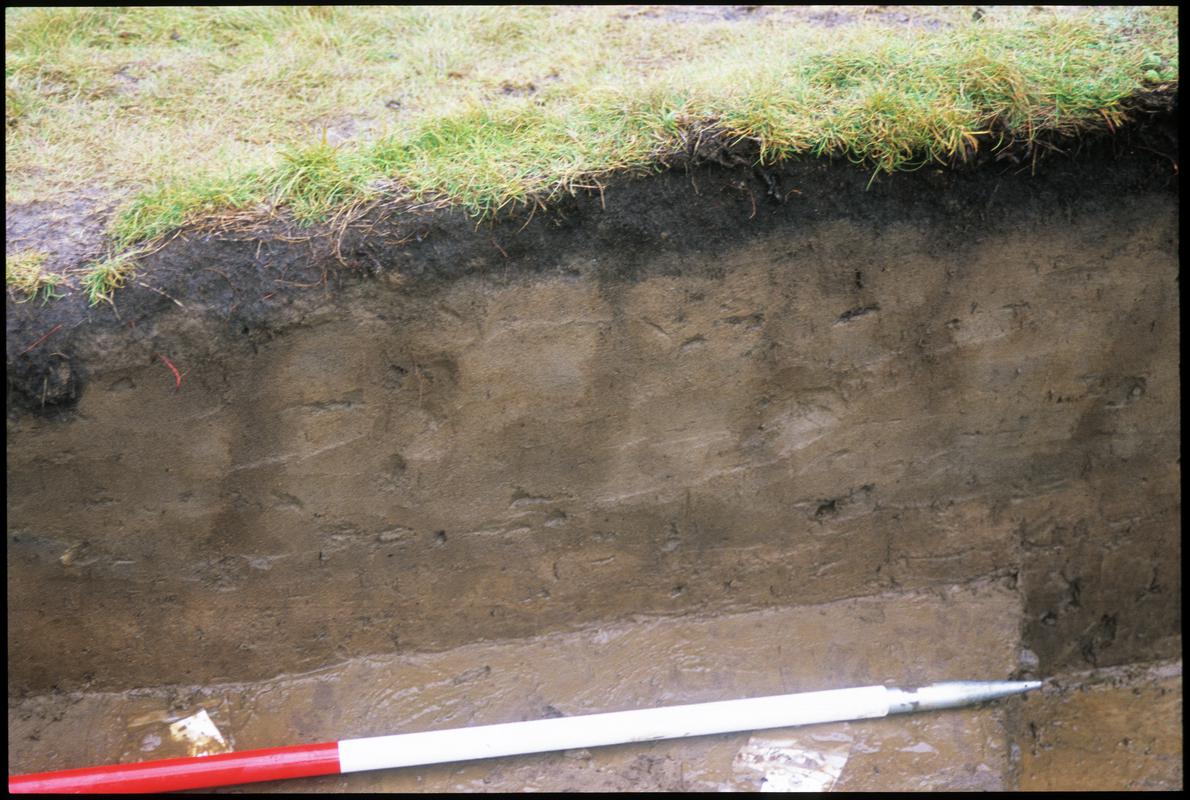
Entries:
{"x":514,"y":738}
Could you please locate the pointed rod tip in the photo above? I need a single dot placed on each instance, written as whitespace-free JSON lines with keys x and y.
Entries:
{"x":952,"y":694}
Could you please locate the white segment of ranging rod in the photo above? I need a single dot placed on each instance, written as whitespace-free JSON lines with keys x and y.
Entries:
{"x":671,"y":722}
{"x":617,"y":727}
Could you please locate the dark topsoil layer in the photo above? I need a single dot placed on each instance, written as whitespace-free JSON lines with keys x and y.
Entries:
{"x":254,"y":281}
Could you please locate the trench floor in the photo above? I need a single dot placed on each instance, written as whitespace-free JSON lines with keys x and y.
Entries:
{"x":1116,"y":728}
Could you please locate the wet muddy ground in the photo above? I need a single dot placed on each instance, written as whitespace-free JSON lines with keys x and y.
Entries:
{"x":1115,"y":728}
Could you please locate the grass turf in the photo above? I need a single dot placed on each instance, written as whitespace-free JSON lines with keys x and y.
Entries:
{"x":26,"y":277}
{"x":189,"y":113}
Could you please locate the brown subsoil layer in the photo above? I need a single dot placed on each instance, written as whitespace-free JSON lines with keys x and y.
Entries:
{"x":706,"y":394}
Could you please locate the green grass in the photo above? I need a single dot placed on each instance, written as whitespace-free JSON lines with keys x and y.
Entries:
{"x":104,"y":277}
{"x":26,"y":277}
{"x":195,"y":112}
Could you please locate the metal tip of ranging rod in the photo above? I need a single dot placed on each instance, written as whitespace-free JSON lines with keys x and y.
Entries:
{"x":952,"y":694}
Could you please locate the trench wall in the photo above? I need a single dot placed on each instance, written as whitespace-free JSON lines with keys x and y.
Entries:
{"x":819,"y":407}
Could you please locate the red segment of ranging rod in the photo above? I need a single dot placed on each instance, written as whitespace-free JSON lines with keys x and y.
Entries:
{"x":176,"y":774}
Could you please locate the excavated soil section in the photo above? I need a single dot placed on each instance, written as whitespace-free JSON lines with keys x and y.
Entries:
{"x":705,"y":394}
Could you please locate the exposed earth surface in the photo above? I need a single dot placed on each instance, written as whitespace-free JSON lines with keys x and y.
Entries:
{"x":718,"y":432}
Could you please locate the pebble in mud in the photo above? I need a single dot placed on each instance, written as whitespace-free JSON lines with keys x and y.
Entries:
{"x":1028,"y":661}
{"x":44,"y":384}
